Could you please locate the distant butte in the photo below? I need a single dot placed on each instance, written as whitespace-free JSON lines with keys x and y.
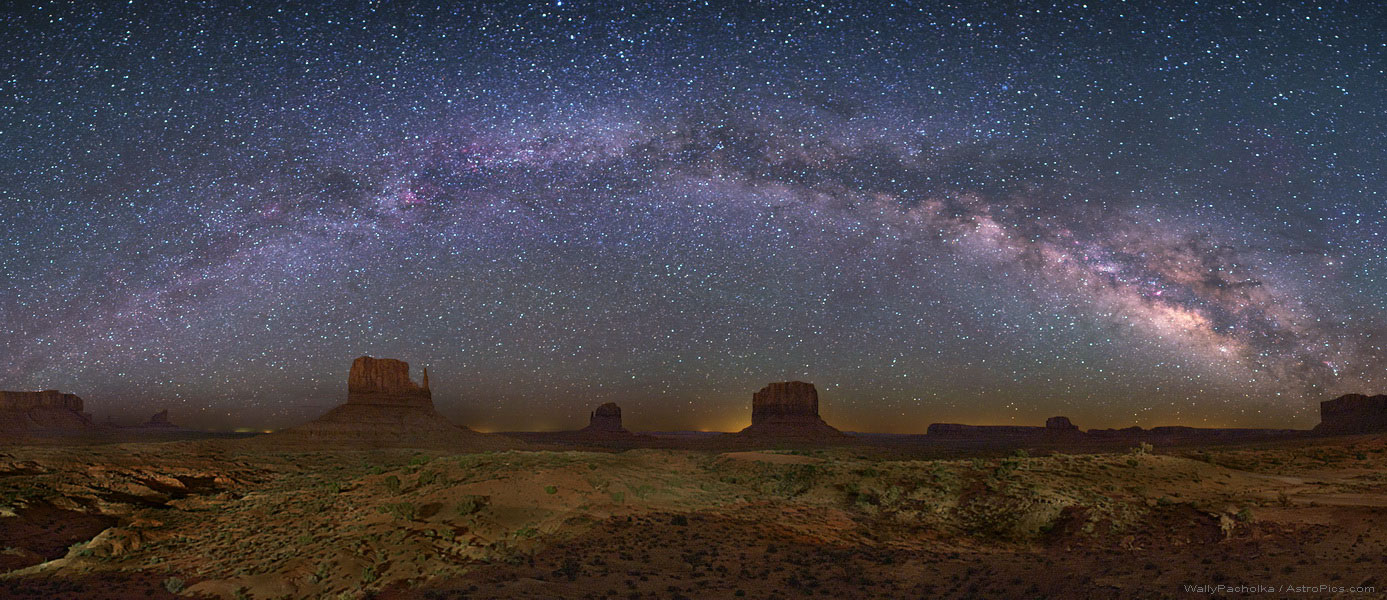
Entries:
{"x":788,"y":409}
{"x":160,"y":420}
{"x":43,"y":413}
{"x":386,"y":408}
{"x":1353,"y":413}
{"x":606,"y":419}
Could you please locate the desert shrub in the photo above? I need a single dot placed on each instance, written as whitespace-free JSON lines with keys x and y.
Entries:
{"x":470,"y":505}
{"x":679,"y":520}
{"x":1021,"y":453}
{"x":418,"y":460}
{"x":792,"y":481}
{"x":569,"y":568}
{"x":392,"y":484}
{"x":173,"y":585}
{"x":1244,"y":515}
{"x":1142,"y":449}
{"x":551,"y":490}
{"x":428,"y":478}
{"x":400,"y":510}
{"x":618,"y":497}
{"x":368,"y":574}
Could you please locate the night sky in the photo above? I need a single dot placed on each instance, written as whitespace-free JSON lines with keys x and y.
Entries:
{"x":1121,"y":213}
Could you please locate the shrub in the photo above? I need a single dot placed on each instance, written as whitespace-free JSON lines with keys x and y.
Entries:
{"x":173,"y":585}
{"x":470,"y":505}
{"x":570,"y":568}
{"x":392,"y":484}
{"x":551,"y":490}
{"x":427,"y":478}
{"x":401,"y":510}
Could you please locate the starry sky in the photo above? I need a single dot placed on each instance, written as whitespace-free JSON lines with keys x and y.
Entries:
{"x":1122,"y":212}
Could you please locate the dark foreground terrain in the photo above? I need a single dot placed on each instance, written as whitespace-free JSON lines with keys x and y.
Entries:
{"x":230,"y":519}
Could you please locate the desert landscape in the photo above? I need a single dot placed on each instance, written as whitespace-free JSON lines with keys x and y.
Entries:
{"x":384,"y":498}
{"x":693,"y":299}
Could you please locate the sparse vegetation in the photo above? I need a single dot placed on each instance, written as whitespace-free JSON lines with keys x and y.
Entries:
{"x":392,"y":484}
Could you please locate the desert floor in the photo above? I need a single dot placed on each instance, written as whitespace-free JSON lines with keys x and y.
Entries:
{"x":225,"y":519}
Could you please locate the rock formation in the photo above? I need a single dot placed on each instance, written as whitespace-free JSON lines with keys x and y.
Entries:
{"x":788,"y":409}
{"x":1353,"y":413}
{"x":385,"y":408}
{"x":386,"y":381}
{"x":46,"y":412}
{"x":1055,"y":427}
{"x":1060,"y":424}
{"x":160,"y":420}
{"x":606,"y":419}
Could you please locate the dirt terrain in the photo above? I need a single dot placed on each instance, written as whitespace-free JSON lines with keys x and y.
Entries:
{"x":230,"y":519}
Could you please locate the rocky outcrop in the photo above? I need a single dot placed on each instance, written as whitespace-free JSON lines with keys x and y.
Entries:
{"x":788,"y":409}
{"x":606,"y":419}
{"x":1167,"y":434}
{"x":160,"y":420}
{"x":959,"y":430}
{"x":385,"y":408}
{"x":386,"y":381}
{"x":46,"y":412}
{"x":1055,"y":427}
{"x":1353,"y":413}
{"x":1060,"y":424}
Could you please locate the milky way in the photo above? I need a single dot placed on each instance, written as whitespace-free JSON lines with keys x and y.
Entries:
{"x":1125,"y":215}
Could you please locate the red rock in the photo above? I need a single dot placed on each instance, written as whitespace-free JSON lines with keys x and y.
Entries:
{"x":385,"y":408}
{"x":788,"y":408}
{"x":159,"y":419}
{"x":386,"y":381}
{"x":1056,"y":424}
{"x":1353,"y":413}
{"x":49,"y":411}
{"x":606,"y":419}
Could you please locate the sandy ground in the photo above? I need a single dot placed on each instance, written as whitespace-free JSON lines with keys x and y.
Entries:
{"x":225,"y":519}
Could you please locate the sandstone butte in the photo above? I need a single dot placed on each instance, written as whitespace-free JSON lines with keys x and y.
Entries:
{"x":788,"y":409}
{"x":46,"y":412}
{"x":605,"y":420}
{"x":386,"y":408}
{"x":1353,"y":413}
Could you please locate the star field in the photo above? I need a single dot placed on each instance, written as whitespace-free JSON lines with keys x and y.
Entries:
{"x":1125,"y":213}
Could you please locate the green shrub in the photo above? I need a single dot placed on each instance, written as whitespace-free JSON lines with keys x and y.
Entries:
{"x":427,"y":478}
{"x":173,"y":585}
{"x":470,"y":505}
{"x":551,"y":490}
{"x":392,"y":484}
{"x":401,"y":510}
